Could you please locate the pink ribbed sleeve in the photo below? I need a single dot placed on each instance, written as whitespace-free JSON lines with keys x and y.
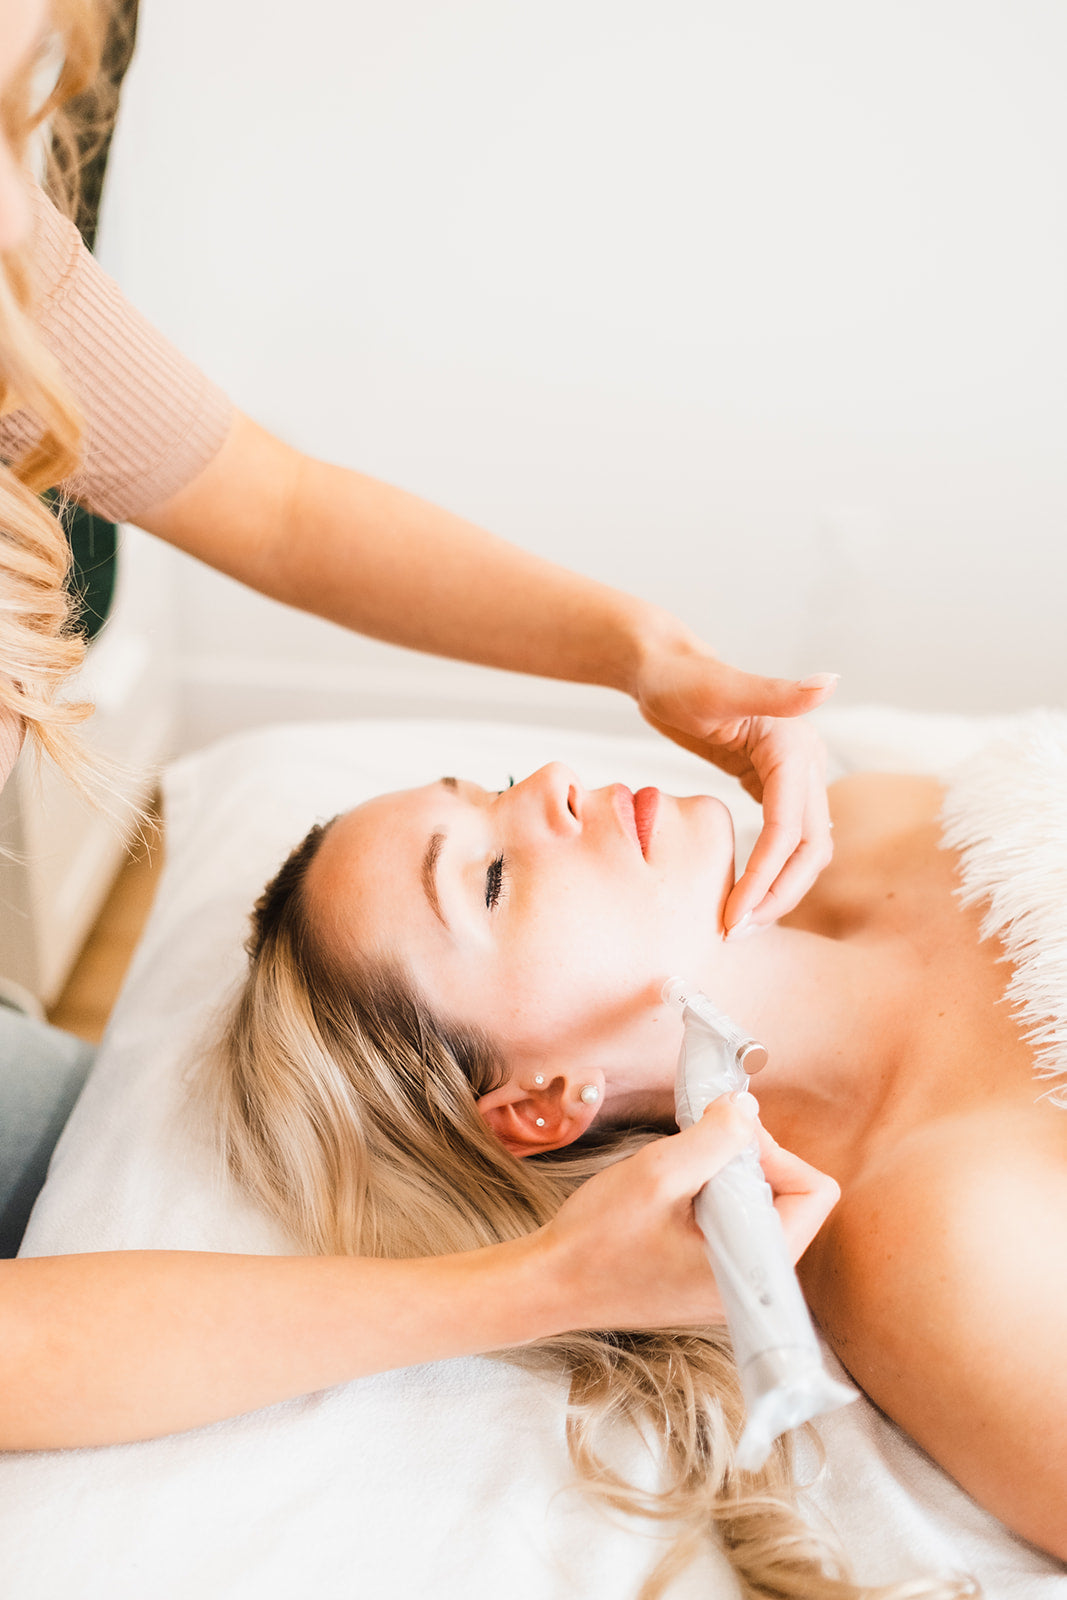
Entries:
{"x":153,"y":420}
{"x":11,"y":731}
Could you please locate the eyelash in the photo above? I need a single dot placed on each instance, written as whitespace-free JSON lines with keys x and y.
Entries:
{"x":494,"y":883}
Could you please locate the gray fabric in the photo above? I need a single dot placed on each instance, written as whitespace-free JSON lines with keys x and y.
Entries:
{"x":42,"y":1071}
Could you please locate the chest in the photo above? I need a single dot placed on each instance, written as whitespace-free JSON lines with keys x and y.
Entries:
{"x":888,"y":875}
{"x":892,"y":885}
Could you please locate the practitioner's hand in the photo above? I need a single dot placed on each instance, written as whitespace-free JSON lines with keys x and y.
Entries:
{"x":626,"y":1248}
{"x":743,"y":724}
{"x":803,"y":1196}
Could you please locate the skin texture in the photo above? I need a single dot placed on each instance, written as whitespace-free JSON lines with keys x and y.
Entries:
{"x":941,"y":1277}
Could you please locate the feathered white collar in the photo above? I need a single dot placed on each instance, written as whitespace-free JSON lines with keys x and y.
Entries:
{"x":1006,"y":813}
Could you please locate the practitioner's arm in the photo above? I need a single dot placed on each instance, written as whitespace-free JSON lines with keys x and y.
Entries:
{"x":100,"y":1349}
{"x":103,"y":1349}
{"x":388,"y":564}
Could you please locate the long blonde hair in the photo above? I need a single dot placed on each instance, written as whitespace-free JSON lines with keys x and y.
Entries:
{"x":348,"y":1111}
{"x":39,"y":645}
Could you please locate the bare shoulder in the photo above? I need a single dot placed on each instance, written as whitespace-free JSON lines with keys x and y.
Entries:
{"x":943,"y":1288}
{"x":872,"y":805}
{"x":886,"y":833}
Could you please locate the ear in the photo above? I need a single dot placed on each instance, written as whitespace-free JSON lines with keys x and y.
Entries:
{"x":530,"y":1118}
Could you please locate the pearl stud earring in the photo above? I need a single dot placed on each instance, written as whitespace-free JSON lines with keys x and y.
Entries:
{"x":589,"y":1094}
{"x":540,"y":1080}
{"x":540,"y":1122}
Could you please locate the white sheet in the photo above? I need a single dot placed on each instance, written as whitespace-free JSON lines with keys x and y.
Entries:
{"x":447,"y":1480}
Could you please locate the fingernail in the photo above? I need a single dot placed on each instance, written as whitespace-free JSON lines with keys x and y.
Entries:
{"x":745,"y":1102}
{"x":820,"y":680}
{"x":741,"y":930}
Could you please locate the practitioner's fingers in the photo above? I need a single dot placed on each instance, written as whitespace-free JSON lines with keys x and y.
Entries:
{"x":810,"y":854}
{"x":656,"y":1186}
{"x":752,"y":727}
{"x":625,"y":1246}
{"x":684,"y":1162}
{"x":673,"y":1170}
{"x":624,"y":1250}
{"x":803,"y":1196}
{"x":784,"y":782}
{"x":720,"y":693}
{"x":794,"y":844}
{"x":702,"y":702}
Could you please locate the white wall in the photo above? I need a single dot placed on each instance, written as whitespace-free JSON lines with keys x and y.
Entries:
{"x":756,"y":308}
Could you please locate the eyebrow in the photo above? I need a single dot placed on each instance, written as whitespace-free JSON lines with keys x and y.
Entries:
{"x":429,"y":868}
{"x":429,"y":861}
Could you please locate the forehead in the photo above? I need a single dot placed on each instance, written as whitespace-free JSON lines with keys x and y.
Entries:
{"x":358,"y":837}
{"x":369,"y":854}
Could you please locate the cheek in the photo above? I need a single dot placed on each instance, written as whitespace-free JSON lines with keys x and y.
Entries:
{"x":575,"y":971}
{"x":589,"y":948}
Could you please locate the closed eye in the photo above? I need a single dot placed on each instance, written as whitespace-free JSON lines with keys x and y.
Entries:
{"x":494,"y":882}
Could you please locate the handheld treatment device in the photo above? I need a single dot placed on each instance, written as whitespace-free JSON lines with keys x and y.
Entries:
{"x":778,"y":1357}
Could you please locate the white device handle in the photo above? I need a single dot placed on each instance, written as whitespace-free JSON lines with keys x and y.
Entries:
{"x":777,"y":1353}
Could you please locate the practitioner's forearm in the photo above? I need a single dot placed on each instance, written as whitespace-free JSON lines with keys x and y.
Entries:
{"x":386,"y":563}
{"x":103,"y":1349}
{"x":99,"y":1349}
{"x":400,"y":569}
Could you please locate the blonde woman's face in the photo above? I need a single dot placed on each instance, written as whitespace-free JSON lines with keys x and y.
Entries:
{"x":544,"y":913}
{"x":22,"y":26}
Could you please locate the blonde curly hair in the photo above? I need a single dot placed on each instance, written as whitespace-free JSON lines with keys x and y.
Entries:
{"x":39,"y":645}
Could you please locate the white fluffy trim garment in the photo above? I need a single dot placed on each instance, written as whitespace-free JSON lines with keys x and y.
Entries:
{"x":1006,"y":813}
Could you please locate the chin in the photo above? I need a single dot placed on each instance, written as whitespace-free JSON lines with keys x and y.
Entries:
{"x":704,"y":863}
{"x":716,"y":839}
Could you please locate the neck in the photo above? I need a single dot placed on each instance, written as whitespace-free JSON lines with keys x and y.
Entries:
{"x":831,"y":1013}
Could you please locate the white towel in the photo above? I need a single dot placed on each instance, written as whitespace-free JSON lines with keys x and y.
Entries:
{"x":450,"y":1480}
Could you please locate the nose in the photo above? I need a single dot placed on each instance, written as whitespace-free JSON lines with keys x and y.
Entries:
{"x":557,"y":794}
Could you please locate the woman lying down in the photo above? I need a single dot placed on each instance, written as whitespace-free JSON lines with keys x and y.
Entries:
{"x":453,"y":1017}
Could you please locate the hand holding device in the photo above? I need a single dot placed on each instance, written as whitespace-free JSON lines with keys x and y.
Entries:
{"x":777,"y":1353}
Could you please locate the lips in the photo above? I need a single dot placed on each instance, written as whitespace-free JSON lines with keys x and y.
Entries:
{"x":636,"y":812}
{"x":646,"y":804}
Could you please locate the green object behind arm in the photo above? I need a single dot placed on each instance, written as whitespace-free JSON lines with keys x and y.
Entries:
{"x":91,"y":579}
